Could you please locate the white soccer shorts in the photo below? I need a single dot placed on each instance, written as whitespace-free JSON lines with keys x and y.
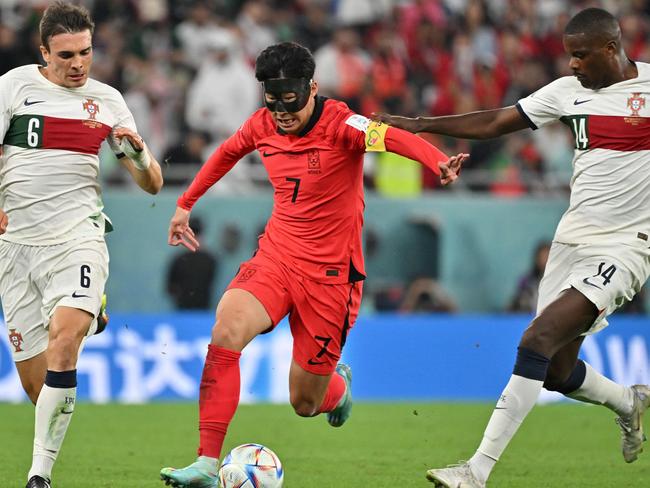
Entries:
{"x":34,"y":280}
{"x":608,"y":275}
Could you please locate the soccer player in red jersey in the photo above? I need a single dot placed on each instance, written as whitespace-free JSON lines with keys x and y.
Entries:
{"x":309,"y":264}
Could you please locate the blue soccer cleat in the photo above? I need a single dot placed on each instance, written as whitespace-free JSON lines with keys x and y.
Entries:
{"x":341,"y":413}
{"x":200,"y":474}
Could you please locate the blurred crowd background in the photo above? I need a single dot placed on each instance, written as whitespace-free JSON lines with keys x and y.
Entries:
{"x":185,"y":68}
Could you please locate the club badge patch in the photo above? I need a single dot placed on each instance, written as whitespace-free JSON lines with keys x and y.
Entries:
{"x":313,"y":162}
{"x":16,"y":340}
{"x":93,"y":109}
{"x":636,"y":102}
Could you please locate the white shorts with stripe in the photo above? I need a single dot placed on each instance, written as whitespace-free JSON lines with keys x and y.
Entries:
{"x":34,"y":280}
{"x":608,"y":275}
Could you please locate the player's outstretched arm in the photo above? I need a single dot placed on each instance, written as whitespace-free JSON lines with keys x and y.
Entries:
{"x":414,"y":147}
{"x":180,"y":232}
{"x":4,"y":220}
{"x":485,"y":124}
{"x":139,"y":161}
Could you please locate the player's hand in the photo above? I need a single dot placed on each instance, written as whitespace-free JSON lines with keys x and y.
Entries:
{"x":133,"y":147}
{"x":450,"y":170}
{"x":4,"y":220}
{"x":136,"y":141}
{"x":180,"y":232}
{"x":406,"y":123}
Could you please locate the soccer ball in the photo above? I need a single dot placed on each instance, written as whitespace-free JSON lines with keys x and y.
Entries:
{"x":251,"y":466}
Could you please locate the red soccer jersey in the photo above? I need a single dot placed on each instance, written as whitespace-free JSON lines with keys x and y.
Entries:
{"x":315,"y":226}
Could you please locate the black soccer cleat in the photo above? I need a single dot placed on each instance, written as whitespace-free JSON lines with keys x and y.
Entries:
{"x":38,"y":482}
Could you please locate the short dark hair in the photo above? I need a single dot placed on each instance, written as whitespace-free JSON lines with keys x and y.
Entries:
{"x":594,"y":21}
{"x":62,"y":17}
{"x":285,"y":60}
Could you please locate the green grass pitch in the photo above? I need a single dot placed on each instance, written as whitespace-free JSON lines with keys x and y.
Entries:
{"x":382,"y":445}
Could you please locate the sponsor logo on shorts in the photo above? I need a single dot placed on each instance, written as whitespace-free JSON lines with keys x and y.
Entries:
{"x":315,"y":363}
{"x":587,"y":282}
{"x":16,"y":339}
{"x":247,"y":274}
{"x":78,"y":295}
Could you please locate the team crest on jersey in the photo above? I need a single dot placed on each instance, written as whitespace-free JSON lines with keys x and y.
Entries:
{"x":93,"y":109}
{"x":313,"y":162}
{"x":636,"y":102}
{"x":16,"y":339}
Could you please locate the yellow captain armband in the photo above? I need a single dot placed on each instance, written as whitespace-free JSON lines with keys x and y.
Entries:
{"x":376,"y":137}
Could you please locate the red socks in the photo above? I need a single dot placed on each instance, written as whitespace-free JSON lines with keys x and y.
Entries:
{"x":335,"y":391}
{"x":218,"y":398}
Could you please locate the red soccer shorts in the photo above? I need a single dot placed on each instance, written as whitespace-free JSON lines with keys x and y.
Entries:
{"x":320,"y":315}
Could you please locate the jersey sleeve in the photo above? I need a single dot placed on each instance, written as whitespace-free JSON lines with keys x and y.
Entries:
{"x":123,"y":118}
{"x":218,"y":164}
{"x":545,"y":105}
{"x":370,"y":136}
{"x":5,"y":105}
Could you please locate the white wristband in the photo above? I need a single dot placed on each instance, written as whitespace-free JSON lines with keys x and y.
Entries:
{"x":141,"y":159}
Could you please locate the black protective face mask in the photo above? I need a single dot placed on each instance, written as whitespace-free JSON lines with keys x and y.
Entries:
{"x":277,"y":86}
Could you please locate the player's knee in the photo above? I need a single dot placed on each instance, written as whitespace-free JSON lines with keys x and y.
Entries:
{"x":540,"y":338}
{"x":227,"y":332}
{"x":235,"y":327}
{"x":303,"y":406}
{"x":63,"y":349}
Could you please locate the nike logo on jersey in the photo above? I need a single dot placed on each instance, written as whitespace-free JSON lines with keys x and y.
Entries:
{"x":314,"y":363}
{"x":587,"y":282}
{"x":28,"y":103}
{"x":76,"y":295}
{"x":580,"y":102}
{"x":266,"y":155}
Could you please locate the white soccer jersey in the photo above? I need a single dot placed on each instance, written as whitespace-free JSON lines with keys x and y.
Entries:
{"x":49,"y":168}
{"x":610,"y":187}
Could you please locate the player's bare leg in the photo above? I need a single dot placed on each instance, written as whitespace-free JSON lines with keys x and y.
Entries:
{"x":312,"y":394}
{"x":55,"y":403}
{"x":240,"y":317}
{"x":32,"y":375}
